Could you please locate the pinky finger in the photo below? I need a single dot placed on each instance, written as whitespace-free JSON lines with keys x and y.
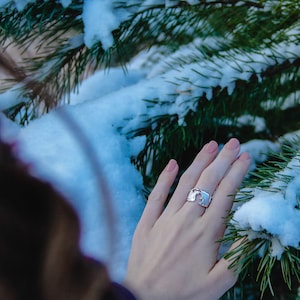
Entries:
{"x":223,"y":276}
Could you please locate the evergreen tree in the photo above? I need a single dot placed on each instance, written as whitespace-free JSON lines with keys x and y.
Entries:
{"x":232,"y":65}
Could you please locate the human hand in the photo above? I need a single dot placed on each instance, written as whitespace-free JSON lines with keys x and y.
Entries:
{"x":174,"y":252}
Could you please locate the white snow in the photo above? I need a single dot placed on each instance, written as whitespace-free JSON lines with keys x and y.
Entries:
{"x":11,"y":98}
{"x":20,"y":4}
{"x":259,"y":150}
{"x":4,"y":2}
{"x":99,"y":22}
{"x":110,"y":104}
{"x":273,"y":214}
{"x":57,"y":156}
{"x":65,"y":3}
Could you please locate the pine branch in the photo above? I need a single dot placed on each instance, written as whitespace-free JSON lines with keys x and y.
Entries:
{"x":41,"y":22}
{"x":237,"y":23}
{"x":218,"y":118}
{"x":259,"y":245}
{"x":50,"y":25}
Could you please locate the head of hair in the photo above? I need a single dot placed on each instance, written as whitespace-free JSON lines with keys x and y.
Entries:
{"x":40,"y":256}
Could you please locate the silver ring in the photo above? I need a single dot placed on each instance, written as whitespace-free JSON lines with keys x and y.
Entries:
{"x":199,"y":195}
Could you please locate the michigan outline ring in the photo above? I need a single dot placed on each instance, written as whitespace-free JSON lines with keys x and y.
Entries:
{"x":202,"y":197}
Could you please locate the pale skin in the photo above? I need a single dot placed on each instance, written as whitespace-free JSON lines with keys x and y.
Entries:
{"x":174,"y":252}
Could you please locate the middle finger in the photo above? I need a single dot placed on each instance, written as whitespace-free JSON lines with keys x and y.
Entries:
{"x":213,"y":174}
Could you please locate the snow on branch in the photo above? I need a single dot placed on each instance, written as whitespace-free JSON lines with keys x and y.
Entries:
{"x":273,"y":213}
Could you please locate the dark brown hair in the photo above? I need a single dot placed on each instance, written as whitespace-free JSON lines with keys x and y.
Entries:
{"x":40,"y":256}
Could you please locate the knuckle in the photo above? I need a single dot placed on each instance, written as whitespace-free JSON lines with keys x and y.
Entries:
{"x":233,"y":180}
{"x":156,"y":196}
{"x":140,"y":233}
{"x":185,"y":179}
{"x":212,"y":173}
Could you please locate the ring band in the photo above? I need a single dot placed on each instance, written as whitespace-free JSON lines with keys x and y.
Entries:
{"x":199,"y":195}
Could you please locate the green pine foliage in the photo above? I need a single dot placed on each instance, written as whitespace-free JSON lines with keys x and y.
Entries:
{"x":259,"y":269}
{"x":236,"y":33}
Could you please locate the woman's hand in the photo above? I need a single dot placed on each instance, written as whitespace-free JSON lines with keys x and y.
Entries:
{"x":175,"y":250}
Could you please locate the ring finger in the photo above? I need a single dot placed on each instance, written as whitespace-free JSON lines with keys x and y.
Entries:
{"x":213,"y":174}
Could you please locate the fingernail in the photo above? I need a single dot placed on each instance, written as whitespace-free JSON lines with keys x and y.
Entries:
{"x":232,"y":144}
{"x":244,"y":156}
{"x":171,"y":165}
{"x":212,"y":146}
